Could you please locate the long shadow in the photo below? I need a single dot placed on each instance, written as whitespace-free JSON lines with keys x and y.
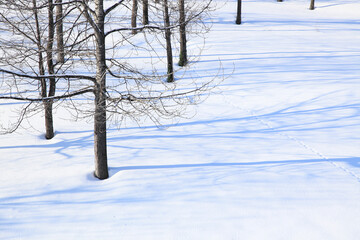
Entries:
{"x":310,"y":119}
{"x":330,"y":120}
{"x":34,"y":199}
{"x":334,"y":4}
{"x":84,"y":193}
{"x":276,"y":53}
{"x":355,"y":161}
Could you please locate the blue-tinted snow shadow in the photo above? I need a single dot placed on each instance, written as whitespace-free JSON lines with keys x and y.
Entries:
{"x":332,"y":22}
{"x":94,"y":188}
{"x":328,"y":65}
{"x":96,"y":193}
{"x":354,"y":161}
{"x":332,"y":4}
{"x":308,"y":121}
{"x":52,"y":196}
{"x":288,"y":56}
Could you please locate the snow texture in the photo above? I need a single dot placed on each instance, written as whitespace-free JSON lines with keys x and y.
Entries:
{"x":272,"y":154}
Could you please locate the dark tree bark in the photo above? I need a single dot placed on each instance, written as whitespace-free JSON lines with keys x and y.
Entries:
{"x":48,"y":104}
{"x":312,"y":5}
{"x":49,"y":123}
{"x":279,"y":0}
{"x":59,"y":32}
{"x":170,"y":68}
{"x":183,"y":51}
{"x":134,"y":15}
{"x":238,"y":13}
{"x":145,"y":12}
{"x":100,"y":146}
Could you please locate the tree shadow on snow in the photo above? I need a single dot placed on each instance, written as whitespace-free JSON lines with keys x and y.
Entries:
{"x":353,"y":161}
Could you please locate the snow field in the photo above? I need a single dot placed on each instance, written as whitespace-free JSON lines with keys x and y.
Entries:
{"x":273,"y":153}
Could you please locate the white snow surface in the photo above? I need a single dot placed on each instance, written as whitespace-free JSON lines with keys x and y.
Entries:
{"x":273,"y":153}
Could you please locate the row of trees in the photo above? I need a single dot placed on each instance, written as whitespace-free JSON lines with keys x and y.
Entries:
{"x":74,"y":53}
{"x":239,"y":5}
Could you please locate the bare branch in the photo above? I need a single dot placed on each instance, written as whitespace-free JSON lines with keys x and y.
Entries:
{"x":19,"y":121}
{"x":57,"y":76}
{"x":107,"y":11}
{"x":76,"y":93}
{"x":162,"y":28}
{"x":86,"y":14}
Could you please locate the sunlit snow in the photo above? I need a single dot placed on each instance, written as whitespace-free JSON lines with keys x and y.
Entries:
{"x":273,"y":153}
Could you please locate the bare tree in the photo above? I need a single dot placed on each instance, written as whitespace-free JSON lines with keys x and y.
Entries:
{"x":27,"y":50}
{"x":34,"y":46}
{"x":50,"y":66}
{"x":137,"y":99}
{"x":114,"y":85}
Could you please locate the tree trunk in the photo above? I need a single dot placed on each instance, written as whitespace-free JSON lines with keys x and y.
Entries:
{"x":183,"y":51}
{"x":134,"y":16}
{"x":101,"y":166}
{"x":100,"y":148}
{"x":238,"y":14}
{"x":49,"y":123}
{"x":48,"y":104}
{"x":312,"y":5}
{"x":170,"y":68}
{"x":59,"y":32}
{"x":279,"y":0}
{"x":145,"y":12}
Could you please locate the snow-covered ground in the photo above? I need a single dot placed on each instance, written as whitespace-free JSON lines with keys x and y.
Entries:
{"x":274,"y":155}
